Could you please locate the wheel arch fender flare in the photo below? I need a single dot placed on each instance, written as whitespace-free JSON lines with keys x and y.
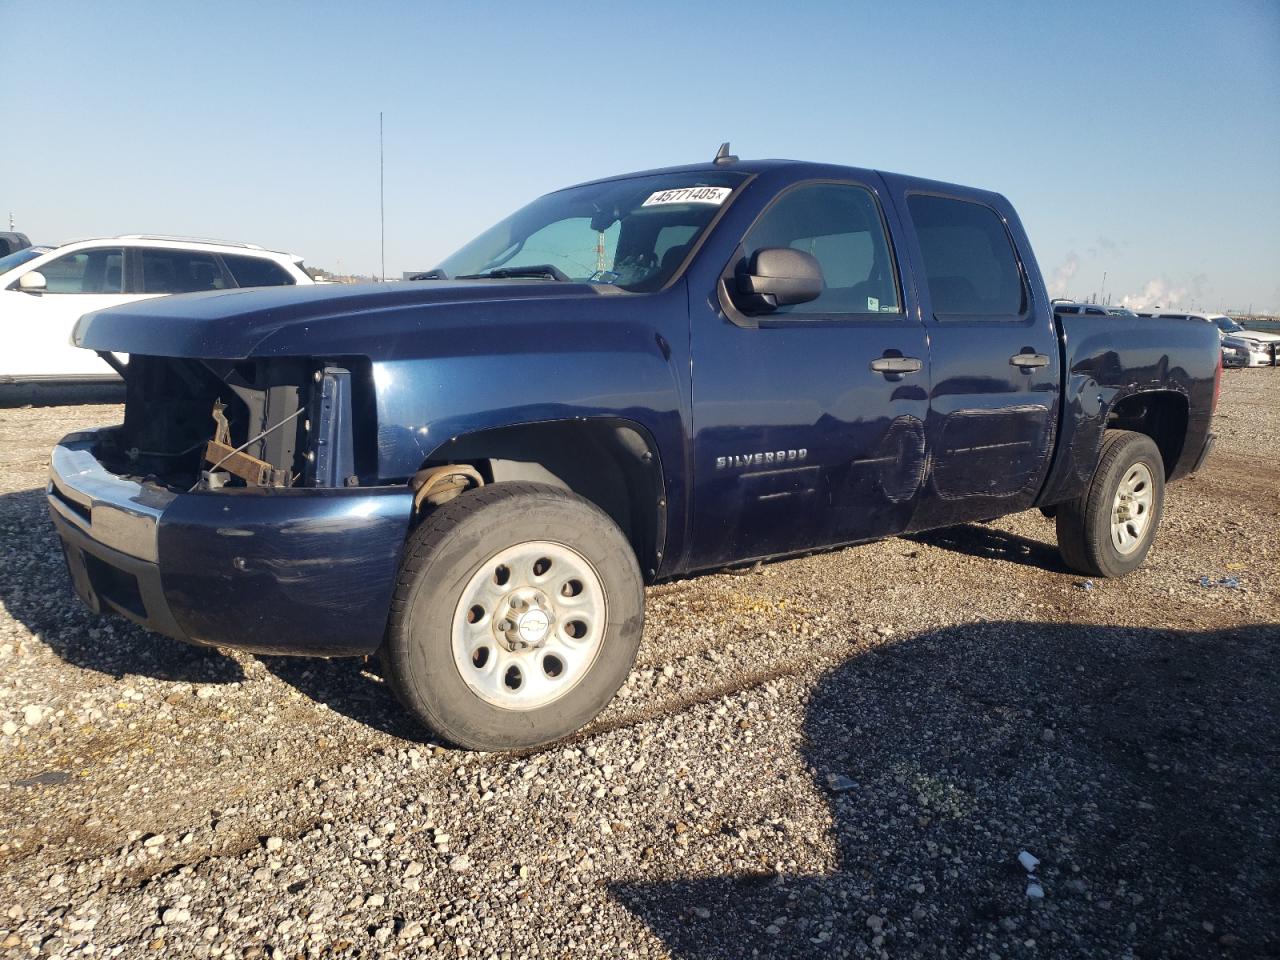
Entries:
{"x":612,"y":461}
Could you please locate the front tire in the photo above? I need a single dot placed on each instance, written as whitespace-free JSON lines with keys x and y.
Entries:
{"x":1109,"y":529}
{"x":517,"y":616}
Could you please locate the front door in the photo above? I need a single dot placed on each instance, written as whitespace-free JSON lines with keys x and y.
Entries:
{"x":809,"y":421}
{"x":38,"y":324}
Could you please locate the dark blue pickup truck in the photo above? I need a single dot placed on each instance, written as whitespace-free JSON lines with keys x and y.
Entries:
{"x":473,"y":474}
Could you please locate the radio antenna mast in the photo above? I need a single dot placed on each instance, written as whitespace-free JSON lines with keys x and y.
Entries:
{"x":382,"y":205}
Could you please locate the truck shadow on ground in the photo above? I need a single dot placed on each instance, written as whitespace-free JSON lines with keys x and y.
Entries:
{"x":979,"y":540}
{"x":1142,"y":766}
{"x":36,"y":591}
{"x":353,"y":688}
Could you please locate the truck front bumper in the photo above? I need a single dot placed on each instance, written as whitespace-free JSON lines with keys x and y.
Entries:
{"x":301,"y":571}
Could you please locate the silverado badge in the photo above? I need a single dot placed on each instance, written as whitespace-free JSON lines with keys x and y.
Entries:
{"x":768,"y":457}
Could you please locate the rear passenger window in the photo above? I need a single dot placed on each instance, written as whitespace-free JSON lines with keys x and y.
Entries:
{"x":180,"y":271}
{"x":840,"y":224}
{"x":968,"y":258}
{"x":257,"y":271}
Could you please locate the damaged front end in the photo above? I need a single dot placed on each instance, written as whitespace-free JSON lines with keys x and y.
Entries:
{"x":215,"y":424}
{"x":236,"y":506}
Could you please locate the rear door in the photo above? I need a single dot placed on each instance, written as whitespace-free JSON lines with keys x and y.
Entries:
{"x":800,"y":441}
{"x":164,"y":270}
{"x":995,"y":386}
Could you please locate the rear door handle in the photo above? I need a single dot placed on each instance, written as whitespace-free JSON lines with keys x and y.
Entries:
{"x":896,"y":365}
{"x":1028,"y":361}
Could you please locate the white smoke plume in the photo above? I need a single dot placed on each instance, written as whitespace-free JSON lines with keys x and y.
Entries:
{"x":1160,"y":292}
{"x":1156,"y":293}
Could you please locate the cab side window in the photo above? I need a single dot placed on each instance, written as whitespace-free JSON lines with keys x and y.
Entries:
{"x":968,"y":259}
{"x":88,"y":271}
{"x":841,"y":226}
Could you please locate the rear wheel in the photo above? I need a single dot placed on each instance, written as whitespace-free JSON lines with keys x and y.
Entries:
{"x":517,"y":616}
{"x":1108,"y":530}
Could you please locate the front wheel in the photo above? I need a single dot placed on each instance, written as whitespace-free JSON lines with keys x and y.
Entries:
{"x":1108,"y":530}
{"x":517,"y":616}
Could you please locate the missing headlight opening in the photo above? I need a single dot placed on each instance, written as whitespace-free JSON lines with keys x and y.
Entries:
{"x":193,"y":425}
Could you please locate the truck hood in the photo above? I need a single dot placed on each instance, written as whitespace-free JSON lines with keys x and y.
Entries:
{"x":237,"y":324}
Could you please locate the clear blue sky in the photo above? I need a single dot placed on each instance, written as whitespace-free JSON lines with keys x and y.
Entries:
{"x":1141,"y":139}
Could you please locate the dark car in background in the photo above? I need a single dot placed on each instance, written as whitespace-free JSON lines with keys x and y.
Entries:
{"x":1065,"y":308}
{"x":12,"y":243}
{"x":1236,"y":352}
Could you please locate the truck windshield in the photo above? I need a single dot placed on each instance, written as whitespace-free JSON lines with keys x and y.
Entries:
{"x":632,"y":233}
{"x":1227,"y":325}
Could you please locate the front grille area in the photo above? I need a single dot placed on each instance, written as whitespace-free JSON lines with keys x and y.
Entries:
{"x":169,"y":417}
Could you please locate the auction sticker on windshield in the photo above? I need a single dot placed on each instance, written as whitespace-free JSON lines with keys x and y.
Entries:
{"x":713,"y":195}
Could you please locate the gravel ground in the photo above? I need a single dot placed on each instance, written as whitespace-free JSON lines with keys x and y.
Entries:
{"x":841,"y":755}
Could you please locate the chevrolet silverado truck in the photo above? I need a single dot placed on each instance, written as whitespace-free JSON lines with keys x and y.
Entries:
{"x":472,"y":475}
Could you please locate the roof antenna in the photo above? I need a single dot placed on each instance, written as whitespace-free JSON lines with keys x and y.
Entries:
{"x":723,"y":156}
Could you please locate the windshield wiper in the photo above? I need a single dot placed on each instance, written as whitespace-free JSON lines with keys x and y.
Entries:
{"x":546,"y":271}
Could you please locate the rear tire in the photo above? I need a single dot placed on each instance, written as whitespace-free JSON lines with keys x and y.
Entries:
{"x":1109,"y":529}
{"x":517,"y":616}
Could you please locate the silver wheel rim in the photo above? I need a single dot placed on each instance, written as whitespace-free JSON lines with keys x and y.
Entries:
{"x":529,"y":625}
{"x":1131,"y":510}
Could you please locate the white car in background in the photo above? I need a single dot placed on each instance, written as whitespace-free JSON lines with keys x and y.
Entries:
{"x":1263,"y":347}
{"x":44,"y":290}
{"x":1259,"y":343}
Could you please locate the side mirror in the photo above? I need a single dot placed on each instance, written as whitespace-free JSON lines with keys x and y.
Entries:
{"x":32,"y":282}
{"x":778,"y":277}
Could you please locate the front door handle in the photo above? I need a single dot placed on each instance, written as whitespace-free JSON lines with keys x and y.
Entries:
{"x":896,"y":365}
{"x":1029,"y":361}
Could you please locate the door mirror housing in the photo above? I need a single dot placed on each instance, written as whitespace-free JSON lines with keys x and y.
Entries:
{"x":778,"y":277}
{"x":32,"y":282}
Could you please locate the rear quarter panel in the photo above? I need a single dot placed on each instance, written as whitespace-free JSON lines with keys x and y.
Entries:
{"x":1105,"y":360}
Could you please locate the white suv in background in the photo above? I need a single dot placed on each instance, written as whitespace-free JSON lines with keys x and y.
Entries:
{"x":43,"y":291}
